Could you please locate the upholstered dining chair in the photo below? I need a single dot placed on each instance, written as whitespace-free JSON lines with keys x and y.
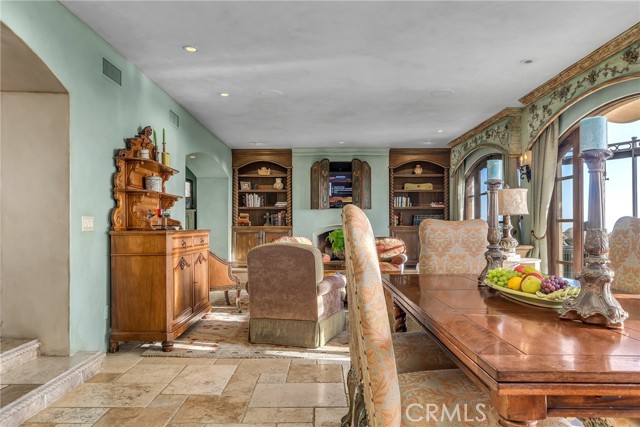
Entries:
{"x":452,"y":247}
{"x":624,"y":254}
{"x":386,"y":397}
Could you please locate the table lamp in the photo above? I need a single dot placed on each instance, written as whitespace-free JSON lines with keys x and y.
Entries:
{"x":511,"y":201}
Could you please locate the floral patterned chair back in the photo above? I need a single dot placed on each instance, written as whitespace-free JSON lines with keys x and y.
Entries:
{"x":453,"y":247}
{"x":624,"y":254}
{"x":371,"y":327}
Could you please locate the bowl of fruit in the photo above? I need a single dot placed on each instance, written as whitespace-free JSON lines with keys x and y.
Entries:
{"x":528,"y":285}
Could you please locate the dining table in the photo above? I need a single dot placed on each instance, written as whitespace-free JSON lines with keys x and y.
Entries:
{"x":532,"y":364}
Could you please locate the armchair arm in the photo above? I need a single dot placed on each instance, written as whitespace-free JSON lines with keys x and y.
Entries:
{"x":399,"y":259}
{"x":330,"y":284}
{"x":220,"y":275}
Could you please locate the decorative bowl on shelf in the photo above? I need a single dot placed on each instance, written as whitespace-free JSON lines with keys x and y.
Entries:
{"x":153,"y":183}
{"x":553,"y":300}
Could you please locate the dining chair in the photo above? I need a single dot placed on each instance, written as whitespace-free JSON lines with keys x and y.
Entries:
{"x":624,"y":254}
{"x":385,"y":396}
{"x":452,"y":247}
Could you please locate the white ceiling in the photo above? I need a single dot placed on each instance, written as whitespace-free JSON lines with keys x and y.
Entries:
{"x":370,"y":74}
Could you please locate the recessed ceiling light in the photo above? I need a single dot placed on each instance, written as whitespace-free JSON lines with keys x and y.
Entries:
{"x":257,"y":143}
{"x":442,"y":93}
{"x":273,"y":93}
{"x":192,"y":157}
{"x":340,"y":142}
{"x":526,"y":61}
{"x":428,"y":142}
{"x":440,"y":130}
{"x":225,"y":94}
{"x":190,"y":49}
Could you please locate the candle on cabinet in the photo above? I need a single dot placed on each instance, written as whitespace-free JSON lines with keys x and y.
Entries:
{"x":593,"y":133}
{"x":494,"y":169}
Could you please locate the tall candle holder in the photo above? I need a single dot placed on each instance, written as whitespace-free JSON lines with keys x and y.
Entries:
{"x":595,"y":304}
{"x":493,"y":255}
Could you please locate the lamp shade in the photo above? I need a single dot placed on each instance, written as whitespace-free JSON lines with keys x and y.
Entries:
{"x":512,"y":201}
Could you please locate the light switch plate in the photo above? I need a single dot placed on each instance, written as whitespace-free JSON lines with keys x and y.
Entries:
{"x":87,"y":223}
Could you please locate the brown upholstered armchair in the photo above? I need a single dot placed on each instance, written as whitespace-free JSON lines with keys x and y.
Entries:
{"x":290,"y":301}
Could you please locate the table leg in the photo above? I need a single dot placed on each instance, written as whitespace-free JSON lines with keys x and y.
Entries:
{"x":506,"y":423}
{"x":167,"y":346}
{"x":400,"y":318}
{"x":518,"y":411}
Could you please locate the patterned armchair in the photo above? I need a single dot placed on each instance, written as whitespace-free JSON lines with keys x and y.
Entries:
{"x":452,"y":247}
{"x":387,"y":394}
{"x":392,"y":250}
{"x":291,"y":301}
{"x":624,"y":253}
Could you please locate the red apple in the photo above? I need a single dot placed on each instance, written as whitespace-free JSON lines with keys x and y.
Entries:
{"x":519,"y":268}
{"x":539,"y":276}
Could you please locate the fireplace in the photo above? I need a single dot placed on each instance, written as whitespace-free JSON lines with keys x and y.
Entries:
{"x":320,"y":240}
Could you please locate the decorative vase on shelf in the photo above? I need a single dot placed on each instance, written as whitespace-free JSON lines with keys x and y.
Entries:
{"x":144,"y":153}
{"x":417,"y":170}
{"x":278,"y":185}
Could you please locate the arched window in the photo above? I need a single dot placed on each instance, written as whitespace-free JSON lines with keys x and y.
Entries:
{"x":475,"y":189}
{"x":568,"y":210}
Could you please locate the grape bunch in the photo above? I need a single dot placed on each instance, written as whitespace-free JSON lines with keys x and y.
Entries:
{"x":552,"y":284}
{"x":500,"y":276}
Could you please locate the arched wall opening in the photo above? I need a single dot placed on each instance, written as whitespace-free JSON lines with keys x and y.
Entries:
{"x":34,"y":200}
{"x":211,"y":184}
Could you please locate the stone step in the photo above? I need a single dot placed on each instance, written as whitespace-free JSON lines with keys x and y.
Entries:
{"x":14,"y":352}
{"x":33,"y":385}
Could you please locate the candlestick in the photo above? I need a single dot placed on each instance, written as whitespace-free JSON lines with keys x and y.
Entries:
{"x":494,"y":169}
{"x":595,"y":304}
{"x":163,"y":135}
{"x":155,"y":139}
{"x":593,"y":133}
{"x":493,"y":255}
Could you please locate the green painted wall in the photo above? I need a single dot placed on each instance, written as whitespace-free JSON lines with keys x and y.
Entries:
{"x":306,"y":220}
{"x":102,"y":114}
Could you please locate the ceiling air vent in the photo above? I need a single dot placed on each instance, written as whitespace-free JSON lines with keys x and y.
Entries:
{"x":174,"y":119}
{"x":112,"y":72}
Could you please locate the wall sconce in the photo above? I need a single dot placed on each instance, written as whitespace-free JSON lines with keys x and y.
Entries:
{"x":525,"y":166}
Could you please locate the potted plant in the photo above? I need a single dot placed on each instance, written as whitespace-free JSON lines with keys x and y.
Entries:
{"x":336,"y":238}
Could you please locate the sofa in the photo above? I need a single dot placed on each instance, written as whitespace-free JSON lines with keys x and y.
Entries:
{"x":290,"y":300}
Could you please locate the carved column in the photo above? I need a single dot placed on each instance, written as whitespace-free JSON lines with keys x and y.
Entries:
{"x":595,"y":304}
{"x":493,"y":255}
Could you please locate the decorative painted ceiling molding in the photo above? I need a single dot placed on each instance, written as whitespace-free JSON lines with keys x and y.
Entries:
{"x":614,"y":46}
{"x":490,"y":121}
{"x":622,"y":66}
{"x":498,"y":135}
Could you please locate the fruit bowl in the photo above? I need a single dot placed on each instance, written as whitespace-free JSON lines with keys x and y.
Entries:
{"x":553,"y":300}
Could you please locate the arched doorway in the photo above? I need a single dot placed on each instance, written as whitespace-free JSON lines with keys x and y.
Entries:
{"x":34,"y":199}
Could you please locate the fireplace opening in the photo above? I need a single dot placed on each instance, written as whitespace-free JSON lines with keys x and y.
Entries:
{"x":323,"y":244}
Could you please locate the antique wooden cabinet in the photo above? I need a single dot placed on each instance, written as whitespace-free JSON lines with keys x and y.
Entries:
{"x":418,"y":189}
{"x":262,"y":208}
{"x":159,"y":284}
{"x":320,"y":185}
{"x":159,"y":272}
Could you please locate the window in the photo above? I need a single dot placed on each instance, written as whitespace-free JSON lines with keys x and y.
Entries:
{"x":475,"y":189}
{"x":188,"y":194}
{"x":569,"y":204}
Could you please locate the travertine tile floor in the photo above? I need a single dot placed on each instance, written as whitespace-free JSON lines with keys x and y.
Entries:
{"x":134,"y":391}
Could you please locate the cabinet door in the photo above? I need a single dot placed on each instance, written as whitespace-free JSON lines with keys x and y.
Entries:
{"x":243,"y":241}
{"x":320,"y":184}
{"x":270,"y":235}
{"x":182,"y":295}
{"x":411,"y":239}
{"x":361,"y":175}
{"x":200,"y":279}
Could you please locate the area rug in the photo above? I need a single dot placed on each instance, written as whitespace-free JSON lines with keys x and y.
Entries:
{"x":224,"y":332}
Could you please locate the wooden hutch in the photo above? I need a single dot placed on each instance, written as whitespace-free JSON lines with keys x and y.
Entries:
{"x":159,"y":272}
{"x":418,"y":189}
{"x":262,"y":208}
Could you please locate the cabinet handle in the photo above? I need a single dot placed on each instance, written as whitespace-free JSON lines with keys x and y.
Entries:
{"x":184,"y":244}
{"x":183,"y":263}
{"x":201,"y":241}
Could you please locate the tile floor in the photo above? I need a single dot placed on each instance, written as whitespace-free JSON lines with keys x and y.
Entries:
{"x":134,"y":391}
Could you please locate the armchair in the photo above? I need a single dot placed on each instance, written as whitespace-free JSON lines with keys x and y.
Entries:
{"x":291,"y":301}
{"x":392,"y":250}
{"x":221,"y":278}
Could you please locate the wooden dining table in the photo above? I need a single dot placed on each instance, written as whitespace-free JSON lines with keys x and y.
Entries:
{"x":532,"y":364}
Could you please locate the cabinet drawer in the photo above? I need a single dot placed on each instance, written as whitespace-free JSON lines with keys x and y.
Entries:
{"x":182,"y":242}
{"x":201,"y":240}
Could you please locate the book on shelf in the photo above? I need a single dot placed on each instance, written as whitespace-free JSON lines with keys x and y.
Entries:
{"x":279,"y":219}
{"x":253,"y":200}
{"x":243,"y":219}
{"x":401,"y":202}
{"x":418,"y":218}
{"x":437,"y":204}
{"x":280,"y":205}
